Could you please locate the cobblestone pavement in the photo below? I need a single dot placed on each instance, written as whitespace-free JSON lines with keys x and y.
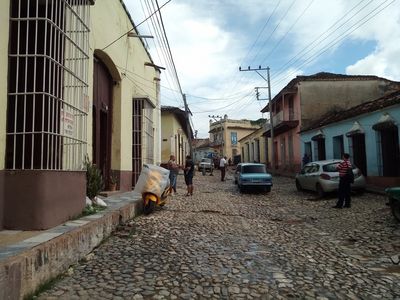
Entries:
{"x":221,"y":244}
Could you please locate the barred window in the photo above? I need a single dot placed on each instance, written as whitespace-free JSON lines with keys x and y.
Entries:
{"x":47,"y":86}
{"x":142,"y":136}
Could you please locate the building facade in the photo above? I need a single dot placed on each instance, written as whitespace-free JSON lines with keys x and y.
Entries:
{"x":202,"y":149}
{"x":307,"y":98}
{"x":68,"y":93}
{"x":255,"y":147}
{"x":175,"y":134}
{"x":226,"y":133}
{"x":369,"y":132}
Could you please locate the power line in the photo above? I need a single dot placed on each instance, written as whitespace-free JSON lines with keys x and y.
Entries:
{"x":133,"y":28}
{"x":155,"y":32}
{"x":273,"y":31}
{"x":336,"y":40}
{"x":287,"y":32}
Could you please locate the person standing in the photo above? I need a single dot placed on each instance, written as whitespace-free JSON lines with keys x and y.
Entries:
{"x":222,"y":167}
{"x":173,"y":173}
{"x":344,"y":191}
{"x":188,"y":172}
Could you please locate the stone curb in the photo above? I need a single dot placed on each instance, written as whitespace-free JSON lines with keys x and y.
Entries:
{"x":27,"y":265}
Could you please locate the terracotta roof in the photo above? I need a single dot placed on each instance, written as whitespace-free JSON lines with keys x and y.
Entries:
{"x":321,"y":76}
{"x":366,"y":107}
{"x":201,"y":143}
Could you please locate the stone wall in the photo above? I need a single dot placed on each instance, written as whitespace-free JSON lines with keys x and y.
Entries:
{"x":26,"y":266}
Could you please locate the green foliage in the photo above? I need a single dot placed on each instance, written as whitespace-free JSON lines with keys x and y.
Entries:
{"x":94,"y":179}
{"x":113,"y":178}
{"x":258,"y":122}
{"x":90,"y":210}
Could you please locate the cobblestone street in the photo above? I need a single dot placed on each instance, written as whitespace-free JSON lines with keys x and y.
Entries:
{"x":221,"y":244}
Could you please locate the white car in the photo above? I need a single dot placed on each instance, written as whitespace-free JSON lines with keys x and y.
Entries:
{"x":206,"y":165}
{"x":322,"y":177}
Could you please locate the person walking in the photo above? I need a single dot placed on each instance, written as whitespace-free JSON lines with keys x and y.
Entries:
{"x":222,"y":167}
{"x":173,"y":173}
{"x":188,"y":173}
{"x":344,"y":191}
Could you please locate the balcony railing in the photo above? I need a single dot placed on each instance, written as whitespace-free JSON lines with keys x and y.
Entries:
{"x":280,"y":117}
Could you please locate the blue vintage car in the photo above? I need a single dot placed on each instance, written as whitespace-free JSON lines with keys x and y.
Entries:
{"x":252,"y":176}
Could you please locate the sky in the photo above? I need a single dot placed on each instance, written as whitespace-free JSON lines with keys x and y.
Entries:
{"x":210,"y":39}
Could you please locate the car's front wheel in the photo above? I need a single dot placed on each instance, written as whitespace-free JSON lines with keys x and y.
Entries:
{"x":320,"y":191}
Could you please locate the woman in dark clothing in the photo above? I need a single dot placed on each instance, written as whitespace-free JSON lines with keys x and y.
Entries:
{"x":188,"y":172}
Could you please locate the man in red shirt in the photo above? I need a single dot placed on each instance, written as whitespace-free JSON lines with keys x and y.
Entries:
{"x":344,"y":183}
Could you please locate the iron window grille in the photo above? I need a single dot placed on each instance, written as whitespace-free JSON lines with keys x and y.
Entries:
{"x":48,"y":84}
{"x":142,"y":136}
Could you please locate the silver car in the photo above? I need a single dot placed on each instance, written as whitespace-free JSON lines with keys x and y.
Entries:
{"x":322,"y":177}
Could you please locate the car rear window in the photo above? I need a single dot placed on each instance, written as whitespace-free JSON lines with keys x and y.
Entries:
{"x":330,"y":167}
{"x":333,"y":167}
{"x":206,"y":160}
{"x":253,"y":169}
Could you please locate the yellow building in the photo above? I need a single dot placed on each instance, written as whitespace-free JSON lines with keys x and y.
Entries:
{"x":226,"y":133}
{"x":256,"y":147}
{"x":175,"y":133}
{"x":80,"y":82}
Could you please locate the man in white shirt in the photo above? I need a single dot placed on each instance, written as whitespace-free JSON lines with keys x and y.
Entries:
{"x":222,"y":167}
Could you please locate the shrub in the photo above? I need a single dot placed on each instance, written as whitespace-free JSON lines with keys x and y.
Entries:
{"x":94,"y":179}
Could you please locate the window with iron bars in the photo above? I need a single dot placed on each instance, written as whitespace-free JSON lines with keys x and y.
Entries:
{"x":47,"y":87}
{"x":142,"y":136}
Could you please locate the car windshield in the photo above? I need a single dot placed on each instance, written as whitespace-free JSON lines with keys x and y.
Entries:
{"x":253,"y":169}
{"x":206,"y":160}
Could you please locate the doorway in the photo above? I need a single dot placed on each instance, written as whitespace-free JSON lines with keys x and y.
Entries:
{"x":102,"y":118}
{"x":359,"y":154}
{"x":390,"y":151}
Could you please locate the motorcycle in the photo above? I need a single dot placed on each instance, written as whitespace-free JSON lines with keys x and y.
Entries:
{"x":153,"y":184}
{"x":394,"y":201}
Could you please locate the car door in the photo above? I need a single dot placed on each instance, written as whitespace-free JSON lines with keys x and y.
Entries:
{"x":237,"y":172}
{"x":312,"y":176}
{"x":302,"y":177}
{"x":309,"y":176}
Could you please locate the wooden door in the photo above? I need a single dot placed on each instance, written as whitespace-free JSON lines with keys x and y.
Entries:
{"x":102,"y":118}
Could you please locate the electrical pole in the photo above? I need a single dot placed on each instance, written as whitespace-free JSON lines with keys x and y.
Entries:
{"x":270,"y":108}
{"x":188,"y":125}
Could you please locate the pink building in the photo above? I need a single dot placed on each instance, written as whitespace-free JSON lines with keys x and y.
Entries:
{"x":307,"y":98}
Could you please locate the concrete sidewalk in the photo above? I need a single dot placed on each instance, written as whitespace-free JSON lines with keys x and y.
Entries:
{"x":31,"y":262}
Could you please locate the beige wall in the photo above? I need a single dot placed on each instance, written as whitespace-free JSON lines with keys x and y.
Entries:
{"x":125,"y":60}
{"x":319,"y":97}
{"x":251,"y":138}
{"x":4,"y":28}
{"x":170,"y":129}
{"x":241,"y":127}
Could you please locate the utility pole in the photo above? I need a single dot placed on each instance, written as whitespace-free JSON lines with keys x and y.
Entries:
{"x":270,"y":108}
{"x":188,"y":125}
{"x":258,"y":93}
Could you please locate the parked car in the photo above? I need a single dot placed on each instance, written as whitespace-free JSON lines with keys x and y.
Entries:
{"x":323,"y":177}
{"x":393,"y":194}
{"x":252,"y":176}
{"x":206,"y":165}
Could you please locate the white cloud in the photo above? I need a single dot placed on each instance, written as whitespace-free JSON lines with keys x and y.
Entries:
{"x":384,"y":60}
{"x":209,"y":39}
